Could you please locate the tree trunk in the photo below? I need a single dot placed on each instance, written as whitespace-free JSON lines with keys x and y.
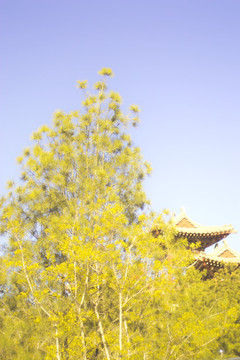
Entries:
{"x":102,"y":332}
{"x":120,"y":321}
{"x":57,"y":344}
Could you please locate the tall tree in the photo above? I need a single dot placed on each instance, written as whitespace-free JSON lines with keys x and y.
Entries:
{"x":69,"y":223}
{"x":83,"y":276}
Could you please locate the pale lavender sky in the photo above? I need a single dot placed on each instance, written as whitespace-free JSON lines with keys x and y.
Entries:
{"x":178,"y":60}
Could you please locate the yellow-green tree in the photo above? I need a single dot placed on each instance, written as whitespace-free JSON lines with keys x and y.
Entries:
{"x":82,"y":276}
{"x":69,"y":222}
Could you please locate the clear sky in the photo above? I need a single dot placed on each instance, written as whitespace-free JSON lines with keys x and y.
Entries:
{"x":178,"y":60}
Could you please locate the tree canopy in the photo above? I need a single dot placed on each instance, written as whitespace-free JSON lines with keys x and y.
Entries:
{"x":82,"y":275}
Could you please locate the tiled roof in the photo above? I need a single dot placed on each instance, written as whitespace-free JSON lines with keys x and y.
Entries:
{"x":185,"y":225}
{"x":218,"y":255}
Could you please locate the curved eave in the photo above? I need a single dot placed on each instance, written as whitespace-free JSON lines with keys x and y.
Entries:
{"x":205,"y":260}
{"x":206,"y":231}
{"x":202,"y":264}
{"x":206,"y":239}
{"x":183,"y":234}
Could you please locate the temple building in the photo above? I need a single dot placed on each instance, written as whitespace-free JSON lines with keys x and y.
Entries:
{"x":205,"y":236}
{"x":196,"y":233}
{"x":220,"y":256}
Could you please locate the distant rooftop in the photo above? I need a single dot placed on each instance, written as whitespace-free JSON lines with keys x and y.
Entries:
{"x":222,"y":254}
{"x":195,"y":232}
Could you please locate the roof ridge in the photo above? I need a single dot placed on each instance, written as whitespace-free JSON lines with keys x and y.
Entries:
{"x":210,"y":257}
{"x":183,"y":215}
{"x":221,"y":249}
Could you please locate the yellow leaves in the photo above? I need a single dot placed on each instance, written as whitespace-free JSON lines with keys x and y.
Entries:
{"x":196,"y":245}
{"x":135,"y":121}
{"x":232,"y":314}
{"x":82,"y":84}
{"x":23,"y":295}
{"x":36,"y":136}
{"x":58,"y":179}
{"x":135,"y":108}
{"x":112,"y":218}
{"x":92,"y":99}
{"x":26,"y":152}
{"x":100,"y":85}
{"x":74,"y":114}
{"x":89,"y":101}
{"x":37,"y":319}
{"x":126,"y":138}
{"x":148,"y":168}
{"x":7,"y":212}
{"x":102,"y":174}
{"x":117,"y":145}
{"x":102,"y":96}
{"x":113,"y":106}
{"x":58,"y":117}
{"x":34,"y":194}
{"x":14,"y":262}
{"x":37,"y":150}
{"x":93,"y":110}
{"x":142,"y":218}
{"x":106,"y":72}
{"x":44,"y":129}
{"x":19,"y":159}
{"x":46,"y":158}
{"x":66,"y":149}
{"x":17,"y":252}
{"x":10,"y":184}
{"x":32,"y":164}
{"x":115,"y":97}
{"x":112,"y":196}
{"x":166,"y":212}
{"x":85,"y":120}
{"x":52,"y":133}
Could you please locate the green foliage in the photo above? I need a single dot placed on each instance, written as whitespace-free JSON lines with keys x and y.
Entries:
{"x":83,"y":276}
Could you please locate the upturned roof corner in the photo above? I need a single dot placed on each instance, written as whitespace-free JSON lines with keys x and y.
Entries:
{"x":195,"y":232}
